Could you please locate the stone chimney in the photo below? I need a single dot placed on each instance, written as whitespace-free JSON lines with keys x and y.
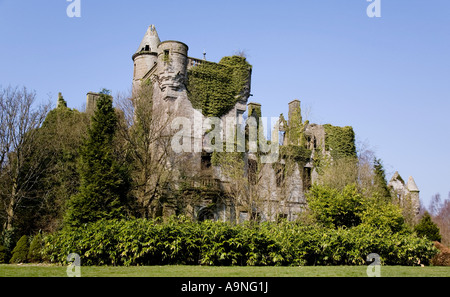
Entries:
{"x":294,"y":107}
{"x":91,"y":102}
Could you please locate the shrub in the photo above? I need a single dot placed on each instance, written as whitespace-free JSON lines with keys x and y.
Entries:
{"x":384,"y":215}
{"x":427,"y":228}
{"x":443,"y":258}
{"x":332,"y":207}
{"x":3,"y":255}
{"x":182,"y":242}
{"x":20,"y":252}
{"x":34,"y":253}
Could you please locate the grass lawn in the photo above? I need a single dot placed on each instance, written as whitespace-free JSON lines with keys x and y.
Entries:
{"x":30,"y":270}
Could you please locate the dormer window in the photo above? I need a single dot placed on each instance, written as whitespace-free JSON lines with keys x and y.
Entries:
{"x":147,"y":48}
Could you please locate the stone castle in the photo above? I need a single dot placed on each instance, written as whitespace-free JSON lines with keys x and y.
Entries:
{"x":280,"y":186}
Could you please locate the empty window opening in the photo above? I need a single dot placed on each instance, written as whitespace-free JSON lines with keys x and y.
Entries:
{"x":206,"y":161}
{"x":166,"y":55}
{"x":252,"y":171}
{"x":306,"y":178}
{"x":279,"y":174}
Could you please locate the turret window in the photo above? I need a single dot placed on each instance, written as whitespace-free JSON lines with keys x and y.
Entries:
{"x":166,"y":56}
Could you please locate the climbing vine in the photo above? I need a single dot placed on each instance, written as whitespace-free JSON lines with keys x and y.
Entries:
{"x":295,"y":153}
{"x":216,"y":87}
{"x":254,"y":111}
{"x":340,"y":141}
{"x":296,"y":128}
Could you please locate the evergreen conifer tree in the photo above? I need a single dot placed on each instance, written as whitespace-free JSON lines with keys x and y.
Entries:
{"x":20,"y":252}
{"x":103,"y":182}
{"x":380,"y":180}
{"x":34,"y":253}
{"x":427,"y":228}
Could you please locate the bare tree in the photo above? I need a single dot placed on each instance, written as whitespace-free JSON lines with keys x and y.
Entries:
{"x":242,"y":179}
{"x":440,"y":213}
{"x":435,"y":204}
{"x":146,"y":133}
{"x":21,"y":164}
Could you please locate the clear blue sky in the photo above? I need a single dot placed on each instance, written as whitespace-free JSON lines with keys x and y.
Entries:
{"x":387,"y":77}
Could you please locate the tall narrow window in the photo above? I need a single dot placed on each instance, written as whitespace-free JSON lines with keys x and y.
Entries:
{"x":252,"y":171}
{"x":306,"y":178}
{"x":279,"y":174}
{"x":166,"y":56}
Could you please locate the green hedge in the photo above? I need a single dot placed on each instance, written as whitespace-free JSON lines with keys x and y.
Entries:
{"x":181,"y":242}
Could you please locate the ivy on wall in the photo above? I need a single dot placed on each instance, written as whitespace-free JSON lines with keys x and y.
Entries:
{"x":296,"y":128}
{"x":295,"y":153}
{"x":254,"y":111}
{"x":340,"y":141}
{"x":215,"y":88}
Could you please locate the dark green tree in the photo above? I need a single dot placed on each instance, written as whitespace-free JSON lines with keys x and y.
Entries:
{"x":3,"y":254}
{"x":103,"y":182}
{"x":427,"y":228}
{"x":59,"y":139}
{"x":34,"y":253}
{"x":380,"y":182}
{"x":20,"y":252}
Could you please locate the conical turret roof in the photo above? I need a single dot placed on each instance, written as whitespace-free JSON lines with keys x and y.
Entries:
{"x":411,"y":185}
{"x":396,"y":177}
{"x":150,"y":41}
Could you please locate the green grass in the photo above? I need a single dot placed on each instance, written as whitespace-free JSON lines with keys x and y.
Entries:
{"x":29,"y":270}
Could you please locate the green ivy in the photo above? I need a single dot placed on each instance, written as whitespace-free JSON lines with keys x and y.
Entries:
{"x":340,"y":141}
{"x":216,"y":87}
{"x":295,"y":153}
{"x":255,"y":111}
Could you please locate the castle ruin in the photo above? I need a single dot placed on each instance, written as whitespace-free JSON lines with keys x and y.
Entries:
{"x":179,"y":84}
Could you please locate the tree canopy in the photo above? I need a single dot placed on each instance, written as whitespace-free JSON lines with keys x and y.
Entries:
{"x":103,"y":182}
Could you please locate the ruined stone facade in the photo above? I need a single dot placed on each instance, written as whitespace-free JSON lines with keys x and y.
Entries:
{"x":165,"y":65}
{"x":406,"y":195}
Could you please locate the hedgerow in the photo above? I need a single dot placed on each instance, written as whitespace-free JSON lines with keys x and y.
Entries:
{"x":182,"y":242}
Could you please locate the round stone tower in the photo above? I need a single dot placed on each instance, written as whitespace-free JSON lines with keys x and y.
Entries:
{"x":172,"y":68}
{"x":172,"y":55}
{"x":146,"y":56}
